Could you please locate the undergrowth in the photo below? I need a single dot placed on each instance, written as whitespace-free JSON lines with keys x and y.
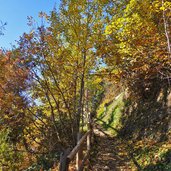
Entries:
{"x":144,"y":126}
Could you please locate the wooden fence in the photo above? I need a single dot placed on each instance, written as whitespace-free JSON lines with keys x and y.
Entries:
{"x":77,"y":151}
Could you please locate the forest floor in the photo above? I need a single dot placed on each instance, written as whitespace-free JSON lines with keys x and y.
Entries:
{"x":110,"y":153}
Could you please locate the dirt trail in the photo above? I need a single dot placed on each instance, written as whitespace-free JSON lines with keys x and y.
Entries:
{"x":110,"y":154}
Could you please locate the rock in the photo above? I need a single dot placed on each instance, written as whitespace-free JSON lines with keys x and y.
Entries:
{"x":106,"y":168}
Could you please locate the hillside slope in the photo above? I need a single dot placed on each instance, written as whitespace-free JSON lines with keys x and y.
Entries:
{"x":143,"y":126}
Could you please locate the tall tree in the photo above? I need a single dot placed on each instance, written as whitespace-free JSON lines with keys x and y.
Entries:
{"x":12,"y":107}
{"x":61,"y":59}
{"x":141,"y":41}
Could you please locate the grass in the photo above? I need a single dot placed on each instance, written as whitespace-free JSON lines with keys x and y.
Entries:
{"x":111,"y":114}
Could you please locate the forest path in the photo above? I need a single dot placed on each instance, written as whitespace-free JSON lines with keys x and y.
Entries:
{"x":110,"y":153}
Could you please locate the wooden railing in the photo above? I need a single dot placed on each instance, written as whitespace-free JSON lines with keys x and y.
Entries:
{"x":77,"y":152}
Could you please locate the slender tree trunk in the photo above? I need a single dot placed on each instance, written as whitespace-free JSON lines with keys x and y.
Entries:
{"x":80,"y":106}
{"x":165,"y":21}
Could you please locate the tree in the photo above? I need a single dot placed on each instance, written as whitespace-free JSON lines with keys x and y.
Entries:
{"x":12,"y":108}
{"x":141,"y":41}
{"x":61,"y":60}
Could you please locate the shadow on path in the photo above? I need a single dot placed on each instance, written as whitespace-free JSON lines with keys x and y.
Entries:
{"x":110,"y":153}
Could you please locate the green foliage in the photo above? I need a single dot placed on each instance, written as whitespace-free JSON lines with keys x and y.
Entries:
{"x":156,"y":157}
{"x":33,"y":167}
{"x":111,"y":113}
{"x":9,"y":158}
{"x":45,"y":162}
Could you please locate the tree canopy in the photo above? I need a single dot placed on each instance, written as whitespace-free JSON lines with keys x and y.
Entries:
{"x":58,"y":73}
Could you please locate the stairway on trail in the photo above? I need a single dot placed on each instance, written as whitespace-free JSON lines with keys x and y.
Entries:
{"x":110,"y":154}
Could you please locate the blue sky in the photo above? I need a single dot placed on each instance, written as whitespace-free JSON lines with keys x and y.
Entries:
{"x":15,"y":13}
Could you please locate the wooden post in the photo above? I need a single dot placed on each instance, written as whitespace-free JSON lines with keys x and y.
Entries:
{"x":88,"y":142}
{"x":89,"y":136}
{"x":79,"y":155}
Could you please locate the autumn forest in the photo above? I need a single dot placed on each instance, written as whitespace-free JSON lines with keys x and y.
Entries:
{"x":101,"y":59}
